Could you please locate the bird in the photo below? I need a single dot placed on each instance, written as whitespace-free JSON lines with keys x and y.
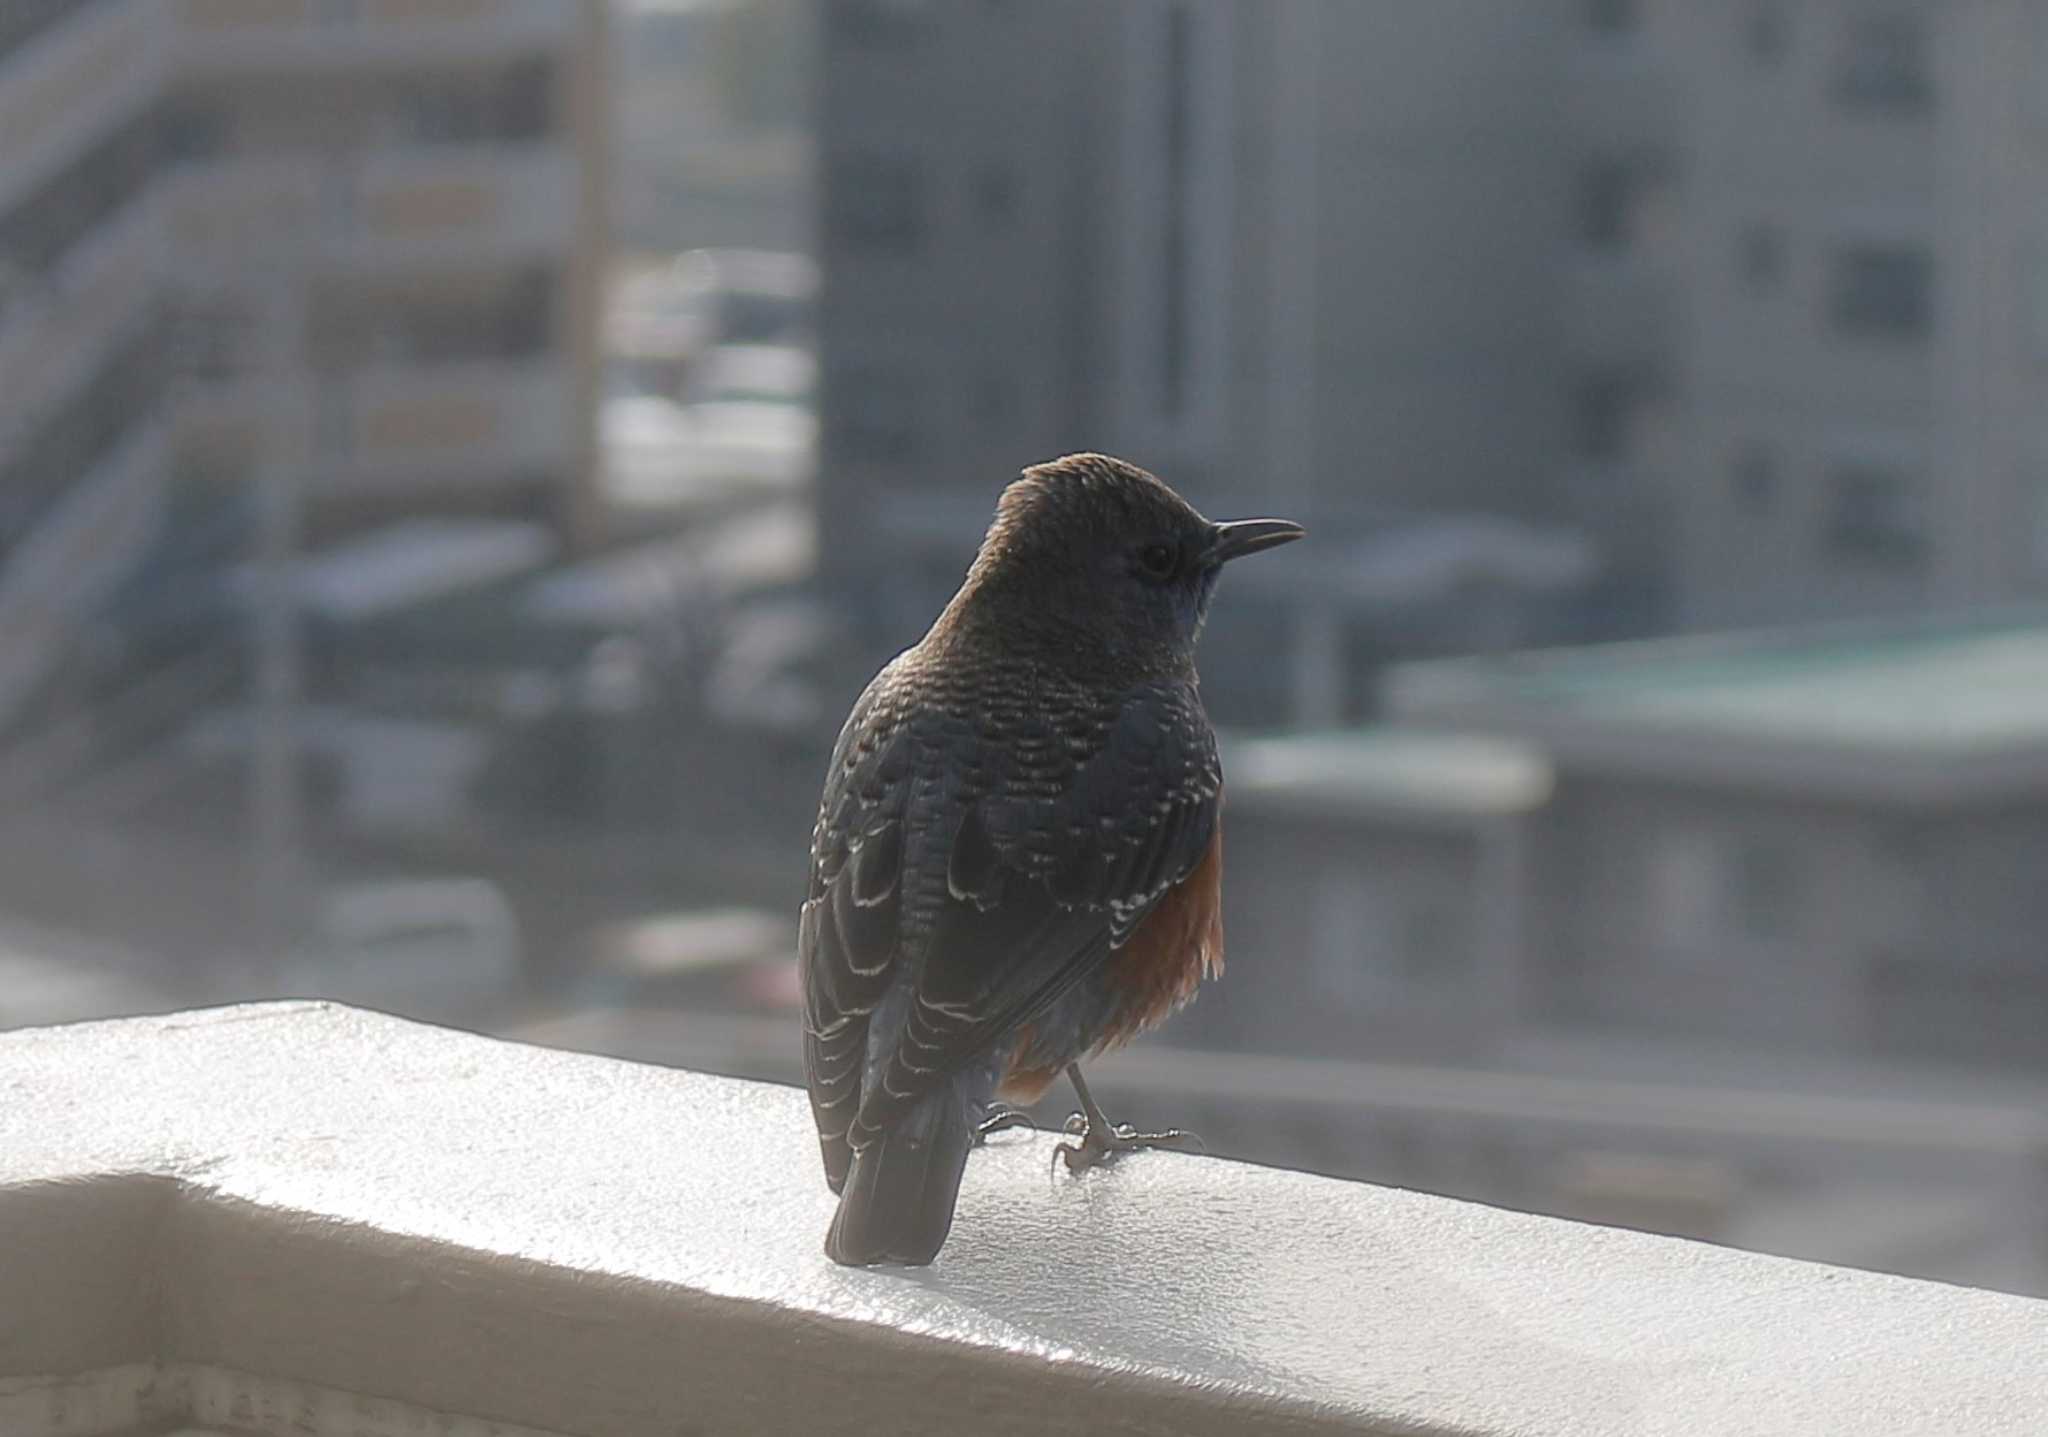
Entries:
{"x":1017,"y":858}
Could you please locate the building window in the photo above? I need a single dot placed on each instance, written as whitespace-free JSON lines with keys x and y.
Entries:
{"x":1607,"y":202}
{"x":1875,"y":515}
{"x":1753,"y":477}
{"x":23,"y":20}
{"x":2038,"y":494}
{"x":525,"y":103}
{"x":875,"y":24}
{"x":1886,"y":65}
{"x":2035,"y":302}
{"x":1684,"y":892}
{"x":1604,"y":405}
{"x":1767,"y":32}
{"x":1764,"y":889}
{"x":1881,"y":292}
{"x":1373,"y":947}
{"x":84,"y":429}
{"x":994,"y":400}
{"x":1706,"y":888}
{"x":216,"y":338}
{"x":871,"y":414}
{"x":40,"y":228}
{"x":1760,"y":257}
{"x":1176,"y":251}
{"x":995,"y":193}
{"x":1349,"y":932}
{"x":1611,"y":17}
{"x":1176,"y":220}
{"x":874,"y":203}
{"x":196,"y":128}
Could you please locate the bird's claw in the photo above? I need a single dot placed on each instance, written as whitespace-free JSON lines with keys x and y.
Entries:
{"x":1099,"y":1145}
{"x":1000,"y":1119}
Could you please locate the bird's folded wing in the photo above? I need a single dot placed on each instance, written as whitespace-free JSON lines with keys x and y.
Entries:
{"x":1040,"y":887}
{"x":847,"y":939}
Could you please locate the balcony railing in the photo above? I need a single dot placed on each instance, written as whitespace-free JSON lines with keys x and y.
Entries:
{"x":222,"y":34}
{"x":460,"y":203}
{"x":54,"y":90}
{"x":295,"y":1218}
{"x":74,"y":558}
{"x":398,"y":424}
{"x":63,"y":325}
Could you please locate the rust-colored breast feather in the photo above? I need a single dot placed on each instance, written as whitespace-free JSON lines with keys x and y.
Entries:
{"x":1179,"y":943}
{"x":1162,"y":963}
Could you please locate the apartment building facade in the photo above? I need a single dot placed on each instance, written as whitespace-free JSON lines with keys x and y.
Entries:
{"x":1826,"y":207}
{"x":358,"y":246}
{"x":1293,"y":257}
{"x":1824,"y":842}
{"x":1750,"y":295}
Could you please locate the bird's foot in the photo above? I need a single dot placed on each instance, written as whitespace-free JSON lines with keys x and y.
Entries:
{"x":1001,"y":1117}
{"x":1100,"y":1141}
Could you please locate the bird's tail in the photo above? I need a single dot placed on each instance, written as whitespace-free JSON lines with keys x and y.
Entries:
{"x":897,"y":1205}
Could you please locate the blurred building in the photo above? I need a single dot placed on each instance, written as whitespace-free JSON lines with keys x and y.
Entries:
{"x":1822,"y":842}
{"x":1834,"y":196}
{"x":1733,"y":937}
{"x":1300,"y":258}
{"x":85,"y":431}
{"x":388,"y":225}
{"x":355,"y":246}
{"x":1749,"y":297}
{"x":714,"y":143}
{"x":1391,"y":868}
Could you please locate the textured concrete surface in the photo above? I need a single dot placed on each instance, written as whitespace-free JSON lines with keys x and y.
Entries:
{"x":334,"y":1198}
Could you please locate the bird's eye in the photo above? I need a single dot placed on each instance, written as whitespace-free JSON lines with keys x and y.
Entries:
{"x":1158,"y":560}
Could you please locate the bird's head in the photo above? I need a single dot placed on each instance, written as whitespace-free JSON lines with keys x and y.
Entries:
{"x":1094,"y":552}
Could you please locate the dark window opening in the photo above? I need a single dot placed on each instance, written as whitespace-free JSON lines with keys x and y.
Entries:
{"x":871,"y":414}
{"x":1881,"y":292}
{"x":1874,"y":516}
{"x":1754,"y":479}
{"x":1607,"y":201}
{"x":36,"y":232}
{"x":510,"y":322}
{"x":1760,"y":256}
{"x":22,"y":20}
{"x":1886,"y":65}
{"x":1767,"y":33}
{"x":994,"y":400}
{"x":511,"y":106}
{"x":1604,"y":406}
{"x":874,"y":24}
{"x":1175,"y":258}
{"x":874,"y":203}
{"x":995,"y":193}
{"x":1611,"y":17}
{"x":83,"y":430}
{"x":1766,"y":889}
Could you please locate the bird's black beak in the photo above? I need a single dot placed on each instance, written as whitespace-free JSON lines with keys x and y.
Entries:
{"x":1248,"y":536}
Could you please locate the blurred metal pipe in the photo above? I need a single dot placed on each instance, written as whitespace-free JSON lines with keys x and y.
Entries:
{"x":276,"y":818}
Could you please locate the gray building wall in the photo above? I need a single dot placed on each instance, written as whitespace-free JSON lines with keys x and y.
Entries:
{"x":1754,"y":293}
{"x":1360,"y":935}
{"x":1835,"y":467}
{"x":1295,"y":256}
{"x":1776,"y":920}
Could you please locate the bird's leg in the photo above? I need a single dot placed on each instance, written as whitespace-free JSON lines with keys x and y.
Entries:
{"x":1101,"y":1140}
{"x":1001,"y":1117}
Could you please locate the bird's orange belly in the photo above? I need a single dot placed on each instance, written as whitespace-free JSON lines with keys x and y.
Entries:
{"x":1155,"y":973}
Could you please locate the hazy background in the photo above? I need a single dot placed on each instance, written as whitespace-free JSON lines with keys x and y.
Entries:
{"x":459,"y":460}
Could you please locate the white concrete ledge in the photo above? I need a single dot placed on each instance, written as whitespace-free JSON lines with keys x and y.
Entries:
{"x":304,"y":1219}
